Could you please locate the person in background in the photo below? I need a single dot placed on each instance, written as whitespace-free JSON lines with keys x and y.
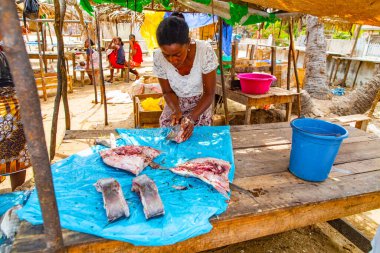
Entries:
{"x":92,"y":60}
{"x":14,"y":156}
{"x":136,"y":54}
{"x":117,"y":56}
{"x":186,"y":70}
{"x":178,"y":15}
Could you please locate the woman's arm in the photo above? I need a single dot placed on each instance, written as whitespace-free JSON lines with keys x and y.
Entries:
{"x":88,"y":61}
{"x":209,"y":86}
{"x":171,"y":100}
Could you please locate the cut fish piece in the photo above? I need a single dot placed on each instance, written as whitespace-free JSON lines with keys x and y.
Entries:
{"x":130,"y":158}
{"x":177,"y":131}
{"x":9,"y":223}
{"x":149,"y":196}
{"x":210,"y":170}
{"x":113,"y":198}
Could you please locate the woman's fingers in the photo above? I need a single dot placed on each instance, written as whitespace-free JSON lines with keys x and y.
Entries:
{"x":188,"y":131}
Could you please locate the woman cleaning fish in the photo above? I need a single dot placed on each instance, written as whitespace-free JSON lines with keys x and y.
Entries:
{"x":186,"y":70}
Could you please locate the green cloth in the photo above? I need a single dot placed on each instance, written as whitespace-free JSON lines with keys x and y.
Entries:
{"x":86,"y":6}
{"x":237,"y":11}
{"x":254,"y":19}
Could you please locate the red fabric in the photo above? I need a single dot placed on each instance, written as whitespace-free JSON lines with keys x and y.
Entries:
{"x":113,"y":60}
{"x":137,"y":58}
{"x":133,"y":64}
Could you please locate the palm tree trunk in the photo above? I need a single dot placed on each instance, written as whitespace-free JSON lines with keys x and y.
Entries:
{"x":360,"y":100}
{"x":316,"y":68}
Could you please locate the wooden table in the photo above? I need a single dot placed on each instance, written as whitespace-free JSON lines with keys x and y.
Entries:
{"x":267,"y":198}
{"x":275,"y":95}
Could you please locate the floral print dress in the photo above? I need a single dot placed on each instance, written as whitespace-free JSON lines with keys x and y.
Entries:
{"x":14,"y":156}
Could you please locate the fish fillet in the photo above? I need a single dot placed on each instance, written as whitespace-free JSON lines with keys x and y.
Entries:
{"x":210,"y":170}
{"x":113,"y":198}
{"x":130,"y":158}
{"x":149,"y":196}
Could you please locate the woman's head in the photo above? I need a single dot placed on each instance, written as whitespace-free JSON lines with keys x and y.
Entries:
{"x":132,"y":37}
{"x":173,"y":39}
{"x":172,"y":30}
{"x":88,"y":43}
{"x":118,"y":41}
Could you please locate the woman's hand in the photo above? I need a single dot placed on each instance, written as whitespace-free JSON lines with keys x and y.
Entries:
{"x":176,"y":118}
{"x":187,"y":124}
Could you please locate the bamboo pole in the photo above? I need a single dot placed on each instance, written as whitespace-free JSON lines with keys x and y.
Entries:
{"x":27,"y":93}
{"x":224,"y":92}
{"x":295,"y":65}
{"x":102,"y":86}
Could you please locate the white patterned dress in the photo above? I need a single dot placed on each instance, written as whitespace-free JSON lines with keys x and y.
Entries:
{"x":188,"y":88}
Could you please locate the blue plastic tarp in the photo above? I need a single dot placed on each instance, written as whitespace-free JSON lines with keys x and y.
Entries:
{"x":10,"y":200}
{"x":195,"y":20}
{"x":187,"y":212}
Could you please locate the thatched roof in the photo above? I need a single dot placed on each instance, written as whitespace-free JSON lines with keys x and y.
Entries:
{"x":117,"y":14}
{"x":48,"y":11}
{"x":352,"y":11}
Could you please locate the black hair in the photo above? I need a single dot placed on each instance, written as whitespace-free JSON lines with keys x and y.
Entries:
{"x":91,"y":42}
{"x":121,"y":41}
{"x":172,"y":30}
{"x":132,"y":35}
{"x":177,"y":14}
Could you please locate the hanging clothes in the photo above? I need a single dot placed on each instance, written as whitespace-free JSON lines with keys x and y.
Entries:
{"x":227,"y":38}
{"x":149,"y":27}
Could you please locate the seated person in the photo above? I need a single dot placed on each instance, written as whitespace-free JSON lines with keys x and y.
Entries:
{"x":136,"y":54}
{"x":117,"y":56}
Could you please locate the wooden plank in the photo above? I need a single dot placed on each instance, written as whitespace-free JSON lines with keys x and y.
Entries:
{"x":266,"y":160}
{"x":259,"y":185}
{"x":281,"y":136}
{"x":353,"y":118}
{"x":266,"y":126}
{"x":246,"y":220}
{"x":88,"y":134}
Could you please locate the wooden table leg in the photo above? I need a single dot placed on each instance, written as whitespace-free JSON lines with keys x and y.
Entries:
{"x":82,"y":77}
{"x":332,"y":70}
{"x":356,"y":75}
{"x":288,"y":111}
{"x":346,"y":72}
{"x":248,"y":115}
{"x":337,"y":67}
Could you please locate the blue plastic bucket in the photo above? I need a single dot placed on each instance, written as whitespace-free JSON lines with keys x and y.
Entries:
{"x":315,"y":144}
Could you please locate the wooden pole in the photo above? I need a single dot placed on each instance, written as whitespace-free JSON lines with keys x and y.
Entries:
{"x":92,"y":65}
{"x":295,"y":65}
{"x":289,"y":65}
{"x":41,"y":64}
{"x":357,"y":32}
{"x":102,"y":86}
{"x":43,"y":35}
{"x":224,"y":91}
{"x":27,"y":93}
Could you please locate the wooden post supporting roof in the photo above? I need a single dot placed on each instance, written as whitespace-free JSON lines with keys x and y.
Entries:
{"x":102,"y":86}
{"x":27,"y":93}
{"x":221,"y":70}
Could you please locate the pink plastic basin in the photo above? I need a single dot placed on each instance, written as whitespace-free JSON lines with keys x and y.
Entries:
{"x":255,"y":83}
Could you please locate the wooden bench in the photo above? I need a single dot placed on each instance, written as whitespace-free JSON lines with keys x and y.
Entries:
{"x":361,"y":120}
{"x":50,"y":81}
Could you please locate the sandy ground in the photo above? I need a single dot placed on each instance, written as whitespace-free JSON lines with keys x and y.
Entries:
{"x":87,"y":115}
